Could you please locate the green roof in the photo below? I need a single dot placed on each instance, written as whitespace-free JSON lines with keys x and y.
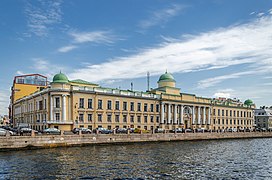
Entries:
{"x":60,"y":78}
{"x":167,"y":77}
{"x":248,"y":102}
{"x":80,"y":81}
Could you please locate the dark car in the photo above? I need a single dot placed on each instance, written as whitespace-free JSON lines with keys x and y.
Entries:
{"x":188,"y":130}
{"x":83,"y":130}
{"x":177,"y":130}
{"x":102,"y":130}
{"x":27,"y":130}
{"x":51,"y":131}
{"x":121,"y":130}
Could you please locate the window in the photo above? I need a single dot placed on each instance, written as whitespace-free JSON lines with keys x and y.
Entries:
{"x":145,"y":119}
{"x":117,"y":118}
{"x":152,"y":107}
{"x":227,"y":121}
{"x":234,"y":113}
{"x":99,"y":117}
{"x":57,"y":116}
{"x":131,"y":106}
{"x":117,"y":105}
{"x":109,"y":104}
{"x":227,"y":112}
{"x":214,"y":112}
{"x":132,"y":119}
{"x":218,"y":121}
{"x":244,"y":113}
{"x":90,"y":103}
{"x":230,"y":113}
{"x":223,"y":121}
{"x":40,"y":105}
{"x":152,"y":119}
{"x":44,"y":103}
{"x":57,"y":102}
{"x":124,"y":118}
{"x":90,"y":117}
{"x":139,"y":107}
{"x":213,"y":121}
{"x":231,"y":121}
{"x":81,"y":117}
{"x":139,"y":119}
{"x":109,"y":117}
{"x":125,"y":106}
{"x":238,"y":113}
{"x":157,"y":107}
{"x":218,"y":112}
{"x":100,"y":105}
{"x":234,"y":122}
{"x":145,"y":107}
{"x":223,"y":112}
{"x":90,"y":127}
{"x":157,"y":119}
{"x":81,"y":102}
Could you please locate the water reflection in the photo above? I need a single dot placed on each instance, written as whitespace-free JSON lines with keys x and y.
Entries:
{"x":224,"y":159}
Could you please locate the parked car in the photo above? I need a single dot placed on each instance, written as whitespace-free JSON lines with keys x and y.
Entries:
{"x":177,"y":130}
{"x":232,"y":130}
{"x":121,"y":130}
{"x":27,"y":130}
{"x":200,"y":130}
{"x":137,"y":130}
{"x":3,"y":132}
{"x":159,"y":130}
{"x":102,"y":130}
{"x":51,"y":131}
{"x":188,"y":130}
{"x":83,"y":130}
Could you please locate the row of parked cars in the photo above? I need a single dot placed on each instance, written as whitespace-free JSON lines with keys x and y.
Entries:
{"x":26,"y":130}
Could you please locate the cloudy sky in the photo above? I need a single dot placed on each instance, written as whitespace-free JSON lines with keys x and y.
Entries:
{"x":213,"y":48}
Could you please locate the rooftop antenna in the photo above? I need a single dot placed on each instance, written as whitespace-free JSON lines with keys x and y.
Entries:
{"x":148,"y":76}
{"x":131,"y":85}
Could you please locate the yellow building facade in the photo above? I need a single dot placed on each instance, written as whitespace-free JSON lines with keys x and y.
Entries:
{"x":69,"y":104}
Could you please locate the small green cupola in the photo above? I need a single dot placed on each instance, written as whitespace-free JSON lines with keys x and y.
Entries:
{"x":167,"y":77}
{"x":248,"y":102}
{"x":166,"y":80}
{"x":60,"y":78}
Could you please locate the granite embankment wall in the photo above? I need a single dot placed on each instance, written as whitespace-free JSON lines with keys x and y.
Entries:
{"x":47,"y":141}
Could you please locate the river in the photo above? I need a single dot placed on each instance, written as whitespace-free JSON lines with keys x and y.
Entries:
{"x":210,"y":159}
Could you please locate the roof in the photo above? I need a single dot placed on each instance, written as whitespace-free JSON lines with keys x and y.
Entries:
{"x":80,"y":81}
{"x":167,"y":77}
{"x":60,"y":78}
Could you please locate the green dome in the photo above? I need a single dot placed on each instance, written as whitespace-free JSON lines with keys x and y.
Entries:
{"x":60,"y":78}
{"x":167,"y":77}
{"x":248,"y":102}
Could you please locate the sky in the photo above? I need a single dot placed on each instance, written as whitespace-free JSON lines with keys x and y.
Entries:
{"x":213,"y":48}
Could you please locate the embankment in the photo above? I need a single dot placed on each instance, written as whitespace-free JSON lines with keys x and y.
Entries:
{"x":48,"y":141}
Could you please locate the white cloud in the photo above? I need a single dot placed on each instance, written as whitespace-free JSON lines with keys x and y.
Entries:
{"x":225,"y":93}
{"x":67,"y":48}
{"x":215,"y":80}
{"x":104,"y":37}
{"x":161,"y":16}
{"x":248,"y":44}
{"x":40,"y":18}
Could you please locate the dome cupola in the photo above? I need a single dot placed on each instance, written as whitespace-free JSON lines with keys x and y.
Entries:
{"x":60,"y":78}
{"x":167,"y":80}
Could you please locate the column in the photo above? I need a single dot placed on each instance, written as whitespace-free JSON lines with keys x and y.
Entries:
{"x":63,"y":108}
{"x":204,"y":115}
{"x":181,"y":114}
{"x":209,"y":115}
{"x":162,"y":113}
{"x":51,"y":108}
{"x":193,"y":114}
{"x":175,"y":114}
{"x":198,"y":114}
{"x":169,"y":114}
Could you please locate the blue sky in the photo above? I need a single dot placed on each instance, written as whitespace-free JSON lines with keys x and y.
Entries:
{"x":213,"y":48}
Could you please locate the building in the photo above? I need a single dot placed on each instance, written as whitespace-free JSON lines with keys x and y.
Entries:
{"x":25,"y":85}
{"x":67,"y":104}
{"x":263,"y":118}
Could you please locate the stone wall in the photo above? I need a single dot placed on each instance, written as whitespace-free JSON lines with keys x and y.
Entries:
{"x":47,"y":141}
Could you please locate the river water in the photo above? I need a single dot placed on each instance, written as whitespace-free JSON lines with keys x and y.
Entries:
{"x":213,"y":159}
